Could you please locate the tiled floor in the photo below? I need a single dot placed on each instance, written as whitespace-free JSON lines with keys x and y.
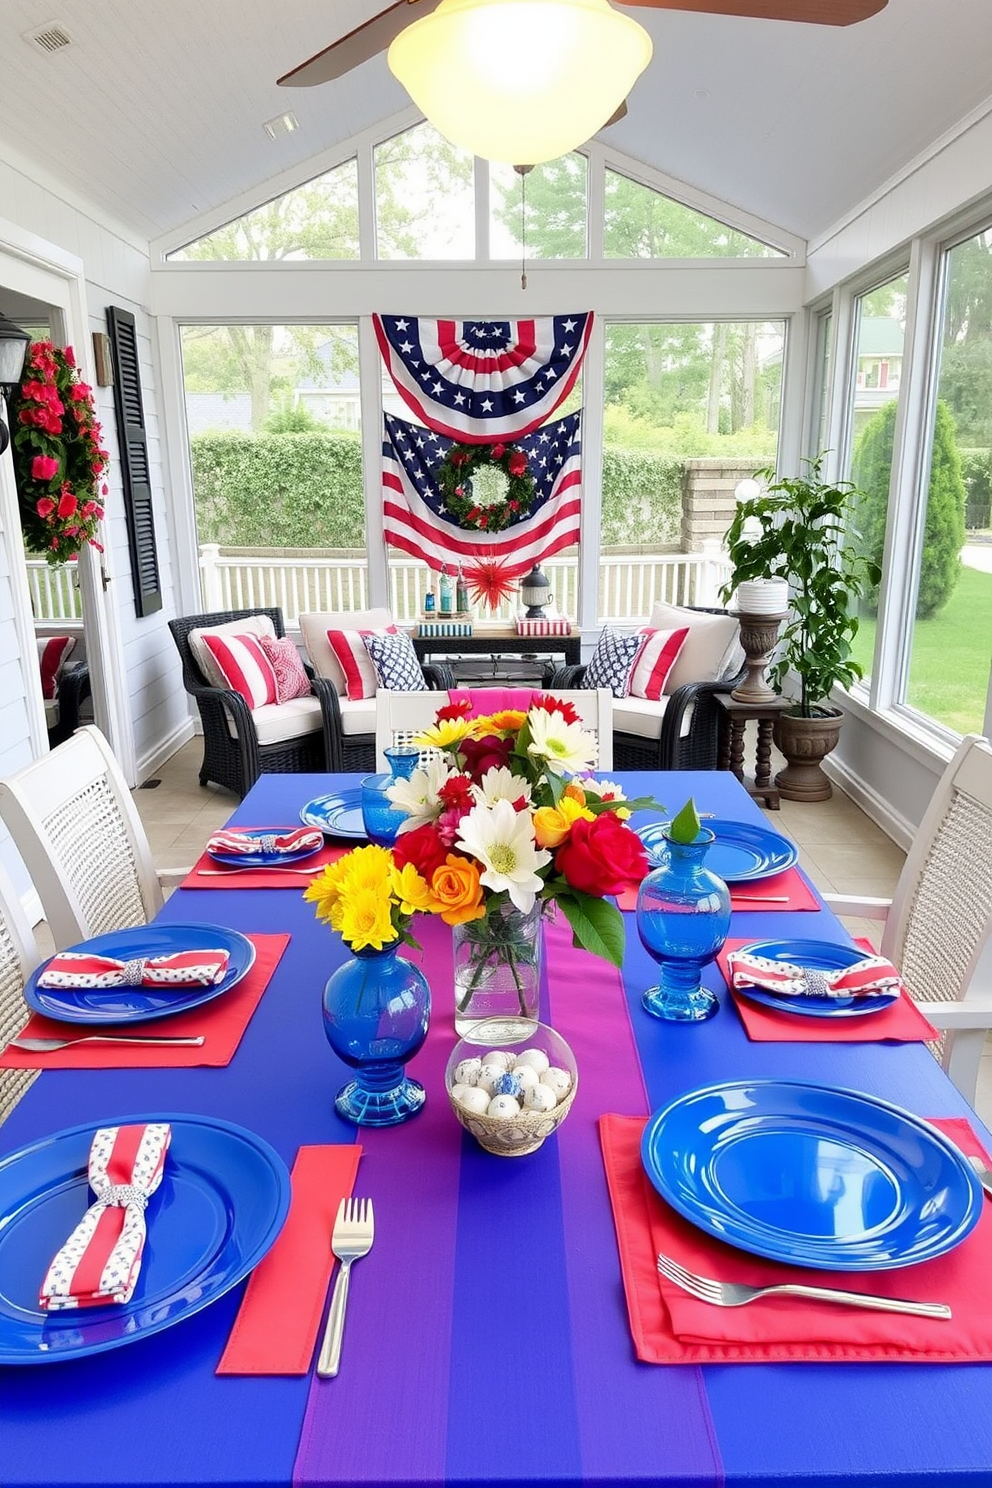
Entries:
{"x":841,"y":849}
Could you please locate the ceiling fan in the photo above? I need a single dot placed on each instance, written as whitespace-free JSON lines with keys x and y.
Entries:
{"x":375,"y":35}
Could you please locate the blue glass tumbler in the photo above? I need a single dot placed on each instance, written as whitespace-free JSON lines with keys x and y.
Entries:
{"x":381,"y":819}
{"x":683,"y":917}
{"x":376,"y":1014}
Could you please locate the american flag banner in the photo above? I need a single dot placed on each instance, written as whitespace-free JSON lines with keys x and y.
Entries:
{"x":482,"y":380}
{"x":415,"y":519}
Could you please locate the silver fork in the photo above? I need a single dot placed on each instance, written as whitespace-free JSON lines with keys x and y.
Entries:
{"x":736,"y":1294}
{"x":354,"y":1231}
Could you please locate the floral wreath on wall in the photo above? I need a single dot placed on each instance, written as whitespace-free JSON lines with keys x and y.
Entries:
{"x":58,"y":457}
{"x":485,"y":486}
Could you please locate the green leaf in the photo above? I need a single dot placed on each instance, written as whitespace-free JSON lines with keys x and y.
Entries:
{"x":685,"y":827}
{"x":597,"y":924}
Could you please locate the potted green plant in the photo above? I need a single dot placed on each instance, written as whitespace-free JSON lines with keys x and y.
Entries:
{"x":799,"y":529}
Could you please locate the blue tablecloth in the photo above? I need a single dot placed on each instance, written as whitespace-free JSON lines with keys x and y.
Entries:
{"x":513,"y":1400}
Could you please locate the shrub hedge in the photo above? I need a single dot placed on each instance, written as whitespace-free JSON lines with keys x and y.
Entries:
{"x":305,"y":490}
{"x":976,"y":470}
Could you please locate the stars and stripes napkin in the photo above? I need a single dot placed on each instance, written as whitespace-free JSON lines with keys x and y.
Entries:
{"x":201,"y":968}
{"x":232,"y":843}
{"x":101,"y":1259}
{"x":871,"y":976}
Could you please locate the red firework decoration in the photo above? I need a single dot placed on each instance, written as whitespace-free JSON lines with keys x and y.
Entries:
{"x":490,"y":581}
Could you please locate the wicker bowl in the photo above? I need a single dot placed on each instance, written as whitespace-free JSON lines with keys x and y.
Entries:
{"x":522,"y":1133}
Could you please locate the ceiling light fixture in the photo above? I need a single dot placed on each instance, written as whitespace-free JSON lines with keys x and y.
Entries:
{"x":520,"y":80}
{"x":281,"y":124}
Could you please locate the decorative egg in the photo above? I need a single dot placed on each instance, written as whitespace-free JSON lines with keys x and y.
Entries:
{"x":557,"y":1080}
{"x":536,"y":1058}
{"x":527,"y":1076}
{"x":487,"y":1077}
{"x":509,"y":1084}
{"x":467,"y":1072}
{"x":540,"y":1098}
{"x":503,"y":1107}
{"x":471,"y":1098}
{"x":499,"y":1057}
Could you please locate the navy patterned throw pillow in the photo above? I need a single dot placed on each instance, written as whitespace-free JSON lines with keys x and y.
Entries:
{"x":395,"y":662}
{"x":613,"y":661}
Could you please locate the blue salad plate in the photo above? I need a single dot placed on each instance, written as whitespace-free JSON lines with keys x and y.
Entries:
{"x":223,"y":1199}
{"x":261,"y":858}
{"x":140,"y":1004}
{"x":818,"y":955}
{"x":811,"y":1176}
{"x":740,"y":854}
{"x":338,"y":816}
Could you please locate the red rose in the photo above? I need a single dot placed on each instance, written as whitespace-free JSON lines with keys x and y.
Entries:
{"x":67,"y":504}
{"x":517,"y":463}
{"x":423,"y":848}
{"x":513,"y":505}
{"x":43,"y":467}
{"x":485,"y":754}
{"x":459,"y":457}
{"x":69,"y":355}
{"x":557,"y":705}
{"x":498,"y":451}
{"x":602,"y":856}
{"x":484,"y":519}
{"x":45,"y":506}
{"x":80,"y":392}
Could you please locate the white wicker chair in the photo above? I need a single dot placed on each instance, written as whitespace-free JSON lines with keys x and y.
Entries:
{"x":938,"y":924}
{"x":401,"y":715}
{"x":19,"y":956}
{"x":76,"y":827}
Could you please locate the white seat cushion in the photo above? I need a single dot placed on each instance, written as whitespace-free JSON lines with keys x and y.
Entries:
{"x":641,"y":716}
{"x":712,"y":648}
{"x":357,"y":716}
{"x":314,"y":627}
{"x":276,"y":722}
{"x":250,"y":625}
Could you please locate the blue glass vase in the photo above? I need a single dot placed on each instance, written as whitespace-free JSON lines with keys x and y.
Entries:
{"x":380,"y":818}
{"x":683,"y":916}
{"x":377,"y":1009}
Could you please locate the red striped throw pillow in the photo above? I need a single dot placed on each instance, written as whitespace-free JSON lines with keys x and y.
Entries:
{"x":244,"y":666}
{"x":53,"y":653}
{"x":354,"y":660}
{"x":658,"y":654}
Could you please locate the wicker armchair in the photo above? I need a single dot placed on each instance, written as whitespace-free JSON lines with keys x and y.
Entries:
{"x":688,"y":736}
{"x":18,"y":958}
{"x":232,"y":754}
{"x":74,"y":689}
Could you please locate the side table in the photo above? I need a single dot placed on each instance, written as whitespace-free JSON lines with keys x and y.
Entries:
{"x":730,"y":756}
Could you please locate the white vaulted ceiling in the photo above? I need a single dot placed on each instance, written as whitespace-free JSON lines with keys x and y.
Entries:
{"x":155,"y":111}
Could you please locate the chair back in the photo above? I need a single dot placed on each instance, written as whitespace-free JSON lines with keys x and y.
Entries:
{"x":74,"y":823}
{"x":401,"y":715}
{"x":193,"y":674}
{"x":19,"y":956}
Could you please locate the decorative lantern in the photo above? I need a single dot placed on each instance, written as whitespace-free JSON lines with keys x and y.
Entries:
{"x":13,"y":349}
{"x":535,"y":591}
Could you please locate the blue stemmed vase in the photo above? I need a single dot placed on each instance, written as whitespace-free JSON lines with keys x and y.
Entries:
{"x":377,"y":1009}
{"x":380,"y":818}
{"x":683,"y":917}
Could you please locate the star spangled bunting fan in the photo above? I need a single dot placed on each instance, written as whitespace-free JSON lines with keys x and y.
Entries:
{"x":481,"y":380}
{"x":415,"y":520}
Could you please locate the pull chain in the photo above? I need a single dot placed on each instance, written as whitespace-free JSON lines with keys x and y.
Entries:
{"x":522,"y":171}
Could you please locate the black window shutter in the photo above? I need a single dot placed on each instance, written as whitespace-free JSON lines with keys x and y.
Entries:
{"x":134,"y":461}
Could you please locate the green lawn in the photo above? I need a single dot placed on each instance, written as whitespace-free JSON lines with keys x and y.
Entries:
{"x":952,"y":652}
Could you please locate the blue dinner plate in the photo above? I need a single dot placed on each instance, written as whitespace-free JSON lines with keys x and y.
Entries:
{"x":139,"y":1004}
{"x":222,"y":1201}
{"x":261,"y":859}
{"x":818,"y":955}
{"x":740,"y":854}
{"x":811,"y":1176}
{"x":338,"y":816}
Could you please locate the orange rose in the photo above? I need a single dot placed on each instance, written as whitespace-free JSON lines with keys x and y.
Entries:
{"x":458,"y":890}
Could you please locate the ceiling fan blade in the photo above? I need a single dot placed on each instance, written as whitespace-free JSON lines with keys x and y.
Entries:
{"x":360,"y":45}
{"x":616,"y":116}
{"x":815,"y":12}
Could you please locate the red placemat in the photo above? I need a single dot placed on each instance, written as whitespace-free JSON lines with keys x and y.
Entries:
{"x":207,"y":873}
{"x":786,"y":891}
{"x":901,"y":1022}
{"x":221,"y":1022}
{"x":277,"y":1323}
{"x":670,"y":1327}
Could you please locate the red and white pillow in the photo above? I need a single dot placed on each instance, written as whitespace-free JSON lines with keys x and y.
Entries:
{"x":289,"y":671}
{"x":654,"y":661}
{"x":352,"y":656}
{"x":53,"y":653}
{"x":243,"y":665}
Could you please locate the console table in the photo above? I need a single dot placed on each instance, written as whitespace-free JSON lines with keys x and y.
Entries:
{"x":499,"y":640}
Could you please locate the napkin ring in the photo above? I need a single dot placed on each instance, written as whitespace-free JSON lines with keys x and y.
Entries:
{"x":816,"y":983}
{"x":268,"y":842}
{"x":123,"y":1195}
{"x":133,"y":971}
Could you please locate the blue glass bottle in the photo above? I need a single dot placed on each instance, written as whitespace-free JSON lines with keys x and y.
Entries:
{"x":376,"y":1013}
{"x":381,"y":819}
{"x":683,"y":917}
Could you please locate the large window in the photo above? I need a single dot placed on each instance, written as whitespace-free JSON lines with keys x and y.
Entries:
{"x":424,"y":197}
{"x":642,"y":223}
{"x":316,"y":221}
{"x":544,"y":213}
{"x":952,"y":631}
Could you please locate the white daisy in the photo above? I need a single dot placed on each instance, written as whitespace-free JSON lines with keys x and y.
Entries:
{"x":602,"y":788}
{"x":503,"y":841}
{"x":500,"y":784}
{"x":418,"y":796}
{"x":565,"y":748}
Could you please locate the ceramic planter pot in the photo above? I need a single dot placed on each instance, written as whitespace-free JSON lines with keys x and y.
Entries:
{"x":805,"y":742}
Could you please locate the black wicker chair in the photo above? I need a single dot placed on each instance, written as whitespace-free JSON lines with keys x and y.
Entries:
{"x":73,"y":690}
{"x":697,"y":749}
{"x":236,"y":759}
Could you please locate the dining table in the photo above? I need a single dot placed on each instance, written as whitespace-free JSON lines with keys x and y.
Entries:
{"x":487,"y":1338}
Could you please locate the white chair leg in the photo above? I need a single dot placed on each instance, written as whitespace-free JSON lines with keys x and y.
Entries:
{"x":962,"y":1059}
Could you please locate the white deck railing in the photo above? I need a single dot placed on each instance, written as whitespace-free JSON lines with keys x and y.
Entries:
{"x":629,"y":583}
{"x":54,"y":593}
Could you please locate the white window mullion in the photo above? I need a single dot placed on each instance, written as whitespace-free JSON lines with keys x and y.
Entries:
{"x":370,"y":387}
{"x":593,"y":399}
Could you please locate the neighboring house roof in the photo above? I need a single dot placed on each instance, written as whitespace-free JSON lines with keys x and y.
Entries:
{"x":879,"y":335}
{"x":208,"y":412}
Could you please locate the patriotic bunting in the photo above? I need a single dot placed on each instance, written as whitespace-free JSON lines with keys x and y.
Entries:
{"x":416,"y":521}
{"x":478,"y":381}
